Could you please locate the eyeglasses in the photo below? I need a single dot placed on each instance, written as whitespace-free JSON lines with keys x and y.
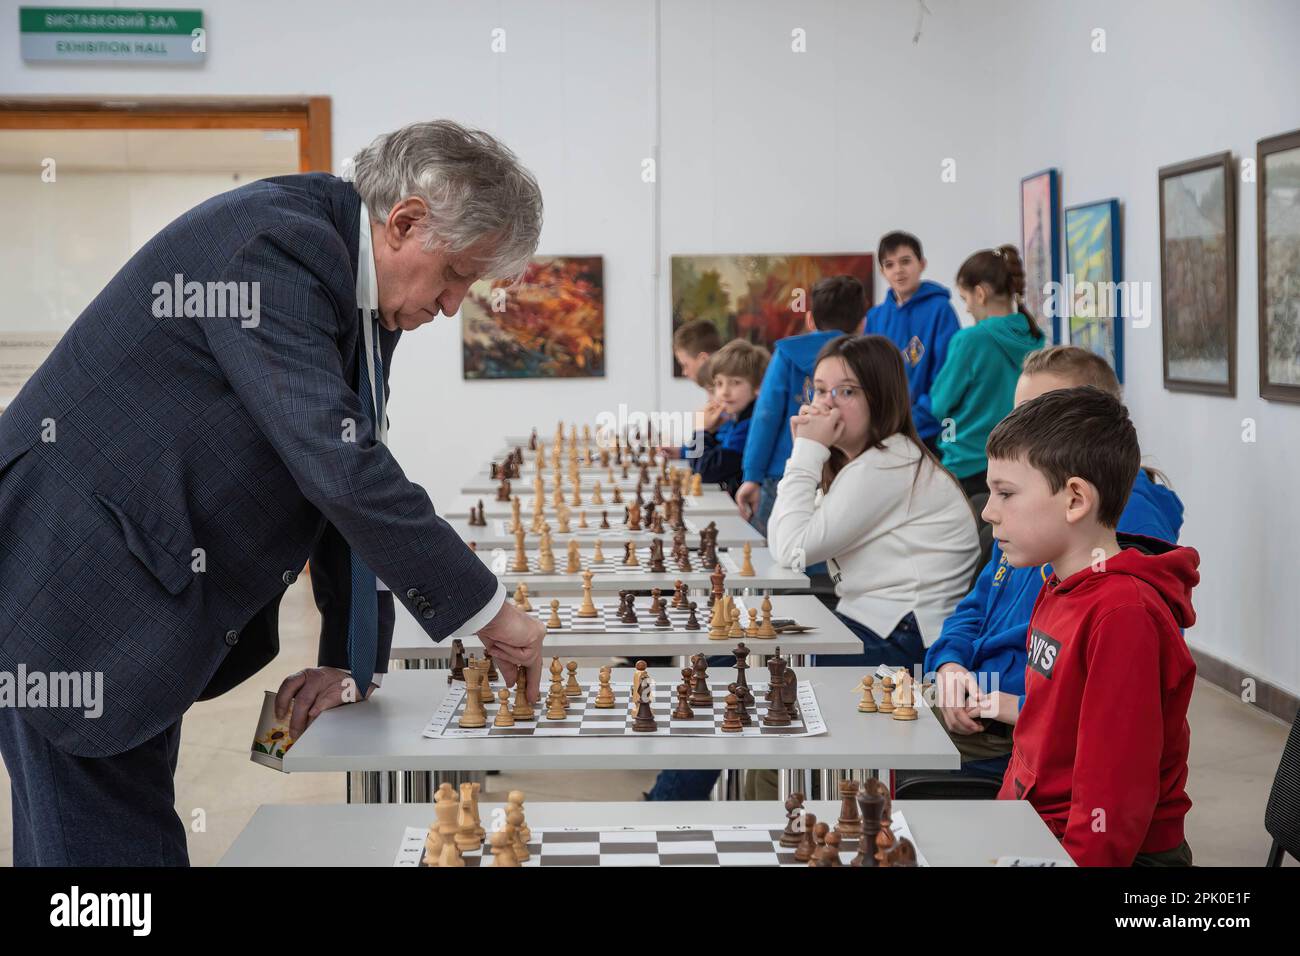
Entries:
{"x":839,"y":395}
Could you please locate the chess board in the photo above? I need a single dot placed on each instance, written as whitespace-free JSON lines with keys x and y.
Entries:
{"x":502,"y":559}
{"x":585,"y":719}
{"x":501,"y":528}
{"x":607,"y":620}
{"x":652,"y":846}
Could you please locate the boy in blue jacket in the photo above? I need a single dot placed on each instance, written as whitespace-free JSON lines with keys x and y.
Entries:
{"x":917,"y":315}
{"x":837,"y":306}
{"x":986,"y":634}
{"x":737,"y":369}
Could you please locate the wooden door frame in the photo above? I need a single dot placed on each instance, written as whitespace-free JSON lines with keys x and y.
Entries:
{"x":309,"y":115}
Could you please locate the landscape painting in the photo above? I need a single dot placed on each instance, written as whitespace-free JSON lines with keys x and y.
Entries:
{"x":1040,"y":245}
{"x":1278,"y":207}
{"x":762,"y":298}
{"x":1094,"y":272}
{"x":549,"y":325}
{"x":1198,"y":275}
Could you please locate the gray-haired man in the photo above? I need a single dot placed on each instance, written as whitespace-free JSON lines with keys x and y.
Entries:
{"x":214,"y":418}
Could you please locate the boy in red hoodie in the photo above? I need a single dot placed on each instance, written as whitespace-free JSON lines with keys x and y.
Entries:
{"x":1100,"y":747}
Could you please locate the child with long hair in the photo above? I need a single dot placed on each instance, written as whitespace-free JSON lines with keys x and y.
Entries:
{"x":977,"y":384}
{"x":894,"y":528}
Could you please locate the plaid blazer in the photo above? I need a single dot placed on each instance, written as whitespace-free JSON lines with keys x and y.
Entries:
{"x":171,"y":467}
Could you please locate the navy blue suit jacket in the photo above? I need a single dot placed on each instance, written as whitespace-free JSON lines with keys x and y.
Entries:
{"x":147,"y":447}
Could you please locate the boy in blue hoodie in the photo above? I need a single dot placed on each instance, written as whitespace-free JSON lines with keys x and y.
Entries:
{"x":837,"y":306}
{"x":917,"y":315}
{"x":737,"y":369}
{"x":986,"y":634}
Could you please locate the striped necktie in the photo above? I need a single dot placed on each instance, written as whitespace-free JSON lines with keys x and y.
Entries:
{"x":363,"y":614}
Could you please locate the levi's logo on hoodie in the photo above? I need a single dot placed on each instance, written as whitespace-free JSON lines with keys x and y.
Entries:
{"x":1043,"y":652}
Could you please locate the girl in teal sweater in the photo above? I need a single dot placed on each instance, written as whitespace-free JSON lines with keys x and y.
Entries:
{"x":976,"y":387}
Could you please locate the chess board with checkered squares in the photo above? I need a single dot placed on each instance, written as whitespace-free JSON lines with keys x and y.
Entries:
{"x":501,"y":561}
{"x":612,"y":509}
{"x":652,"y":846}
{"x":585,"y":719}
{"x":607,"y":620}
{"x":501,"y":528}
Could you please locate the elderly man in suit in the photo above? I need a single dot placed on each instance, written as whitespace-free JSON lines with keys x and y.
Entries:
{"x":214,"y":418}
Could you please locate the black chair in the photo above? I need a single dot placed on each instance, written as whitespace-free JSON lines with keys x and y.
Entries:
{"x":938,"y":786}
{"x":1282,"y":815}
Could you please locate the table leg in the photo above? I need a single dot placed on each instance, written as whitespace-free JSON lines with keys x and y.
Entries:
{"x":373,"y":786}
{"x":455,"y":778}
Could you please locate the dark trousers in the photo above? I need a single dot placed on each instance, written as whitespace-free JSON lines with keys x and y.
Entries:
{"x":92,"y":811}
{"x":902,"y":648}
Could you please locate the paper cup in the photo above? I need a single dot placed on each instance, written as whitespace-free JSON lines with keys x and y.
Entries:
{"x":271,"y":740}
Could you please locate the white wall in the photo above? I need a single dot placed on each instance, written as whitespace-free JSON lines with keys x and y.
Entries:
{"x":767,"y":150}
{"x":64,"y":240}
{"x":1178,"y":80}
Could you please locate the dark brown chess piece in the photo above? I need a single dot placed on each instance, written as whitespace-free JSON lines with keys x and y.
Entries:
{"x":683,"y":710}
{"x":644,"y":723}
{"x":829,"y":855}
{"x":692,"y":622}
{"x":662,"y":620}
{"x":604,"y":521}
{"x":679,"y":593}
{"x":715,"y":581}
{"x":657,"y":556}
{"x":629,"y":616}
{"x":870,"y":807}
{"x":683,"y":555}
{"x":503,"y":490}
{"x":492,"y":668}
{"x":742,"y":712}
{"x":701,"y":696}
{"x":791,"y":836}
{"x":804,"y":851}
{"x":903,"y":853}
{"x":731,"y":716}
{"x":457,"y":661}
{"x":741,"y":653}
{"x":777,"y":713}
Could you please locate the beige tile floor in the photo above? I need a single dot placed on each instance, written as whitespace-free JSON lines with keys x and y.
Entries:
{"x":1234,"y":755}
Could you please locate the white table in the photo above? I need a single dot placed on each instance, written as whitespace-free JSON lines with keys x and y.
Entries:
{"x":767,"y":576}
{"x":949,"y":832}
{"x":709,"y":504}
{"x":829,"y":636}
{"x":733,"y":532}
{"x":377,"y":739}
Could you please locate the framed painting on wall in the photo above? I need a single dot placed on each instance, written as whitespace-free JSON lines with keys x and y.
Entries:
{"x":762,"y":298}
{"x":1198,"y":275}
{"x":1094,"y":273}
{"x":550,"y":325}
{"x":1040,"y":245}
{"x":1278,"y":215}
